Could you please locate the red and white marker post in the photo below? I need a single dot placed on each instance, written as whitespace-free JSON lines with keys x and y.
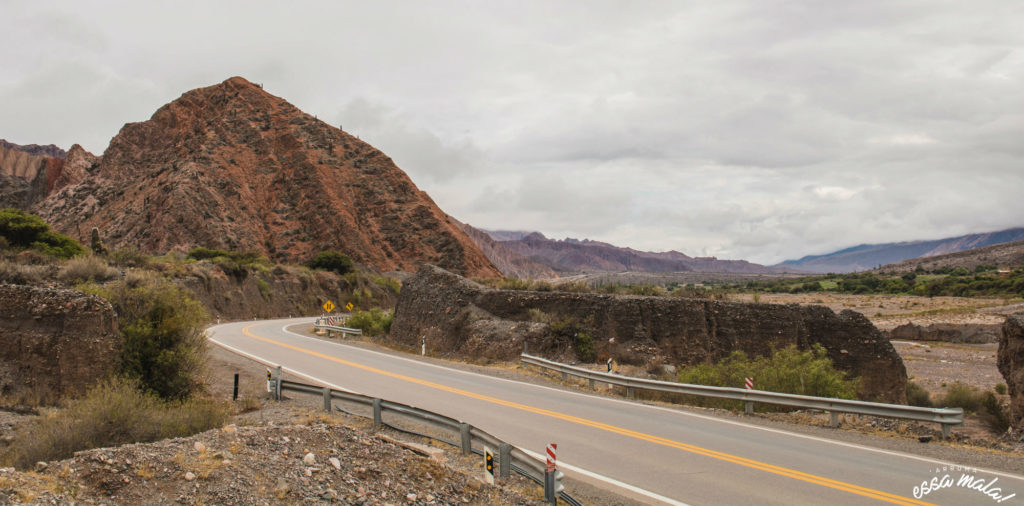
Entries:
{"x":552,"y":485}
{"x":748,"y":407}
{"x":750,"y":383}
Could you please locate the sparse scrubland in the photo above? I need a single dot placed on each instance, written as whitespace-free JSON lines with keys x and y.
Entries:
{"x":157,"y":389}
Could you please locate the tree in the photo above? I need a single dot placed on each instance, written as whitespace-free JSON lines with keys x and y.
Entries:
{"x":332,"y":261}
{"x":21,"y":230}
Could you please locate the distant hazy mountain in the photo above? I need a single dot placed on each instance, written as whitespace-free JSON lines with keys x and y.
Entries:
{"x":577,"y":256}
{"x":509,"y":262}
{"x":1002,"y":255}
{"x":869,"y":256}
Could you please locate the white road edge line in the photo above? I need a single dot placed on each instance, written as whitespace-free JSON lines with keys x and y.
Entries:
{"x":668,"y":410}
{"x":283,"y":368}
{"x":647,"y":493}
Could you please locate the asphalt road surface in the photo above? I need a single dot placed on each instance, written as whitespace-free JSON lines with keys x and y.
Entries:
{"x":661,"y":454}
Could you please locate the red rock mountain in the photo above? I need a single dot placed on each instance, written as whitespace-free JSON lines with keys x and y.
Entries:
{"x":232,"y":166}
{"x":509,"y":262}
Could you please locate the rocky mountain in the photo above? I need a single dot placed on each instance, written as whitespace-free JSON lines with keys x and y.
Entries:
{"x":231,"y":166}
{"x":575,"y":256}
{"x":870,"y":256}
{"x":29,"y":173}
{"x":509,"y":262}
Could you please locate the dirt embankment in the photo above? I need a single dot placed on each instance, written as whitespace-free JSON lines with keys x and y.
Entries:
{"x":54,"y":341}
{"x":463,"y":318}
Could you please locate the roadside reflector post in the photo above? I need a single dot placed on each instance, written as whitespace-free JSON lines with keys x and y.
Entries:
{"x":488,"y":466}
{"x":748,"y":406}
{"x":377,"y":418}
{"x":234,"y":393}
{"x":467,"y":439}
{"x":505,"y":456}
{"x":423,"y":345}
{"x":277,"y":384}
{"x":327,"y":399}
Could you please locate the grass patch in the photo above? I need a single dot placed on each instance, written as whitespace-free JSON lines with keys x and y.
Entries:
{"x":87,"y":268}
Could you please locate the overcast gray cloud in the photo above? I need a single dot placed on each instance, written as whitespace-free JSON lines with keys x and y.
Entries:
{"x":758,"y":130}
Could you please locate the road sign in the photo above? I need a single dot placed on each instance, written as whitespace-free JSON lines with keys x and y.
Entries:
{"x":749,"y":383}
{"x":489,"y":465}
{"x":329,"y":306}
{"x":349,"y":306}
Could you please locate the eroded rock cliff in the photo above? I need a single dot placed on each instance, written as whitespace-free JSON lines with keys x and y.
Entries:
{"x":1011,"y":366}
{"x":460,"y":317}
{"x":54,"y":341}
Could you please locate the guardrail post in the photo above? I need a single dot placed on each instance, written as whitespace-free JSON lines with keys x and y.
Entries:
{"x":630,"y":393}
{"x":833,"y":419}
{"x":277,"y":385}
{"x":505,"y":459}
{"x":377,"y":418}
{"x":590,"y":383}
{"x":327,"y":399}
{"x":565,"y":376}
{"x":748,"y":407}
{"x":945,"y":430}
{"x":467,"y":438}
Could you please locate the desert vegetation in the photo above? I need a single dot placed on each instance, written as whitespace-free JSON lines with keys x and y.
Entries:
{"x":374,"y":322}
{"x":983,"y":280}
{"x":20,"y":231}
{"x":788,"y":370}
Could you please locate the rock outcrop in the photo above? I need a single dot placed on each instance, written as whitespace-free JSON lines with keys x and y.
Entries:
{"x":460,"y":317}
{"x":231,"y":166}
{"x":28,"y":173}
{"x":947,"y":332}
{"x":54,"y":341}
{"x":1011,"y":365}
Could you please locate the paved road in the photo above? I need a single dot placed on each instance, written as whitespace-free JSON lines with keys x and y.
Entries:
{"x":668,"y":454}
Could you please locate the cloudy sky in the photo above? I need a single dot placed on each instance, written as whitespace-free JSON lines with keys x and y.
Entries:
{"x":759,"y":130}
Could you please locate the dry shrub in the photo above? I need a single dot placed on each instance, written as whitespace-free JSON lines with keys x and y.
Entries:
{"x":87,"y":268}
{"x":20,"y":274}
{"x":112,"y":413}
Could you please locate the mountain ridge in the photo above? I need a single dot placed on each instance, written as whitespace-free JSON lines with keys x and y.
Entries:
{"x":231,"y":166}
{"x":870,"y":256}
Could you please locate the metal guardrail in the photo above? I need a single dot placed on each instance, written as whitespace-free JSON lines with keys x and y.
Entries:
{"x":509,"y":458}
{"x":324,"y":324}
{"x":946,"y":417}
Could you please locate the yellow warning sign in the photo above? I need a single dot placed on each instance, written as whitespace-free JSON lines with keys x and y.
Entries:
{"x":329,"y":306}
{"x":349,"y":306}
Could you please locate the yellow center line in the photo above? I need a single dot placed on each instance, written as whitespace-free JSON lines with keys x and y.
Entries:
{"x":735,"y":459}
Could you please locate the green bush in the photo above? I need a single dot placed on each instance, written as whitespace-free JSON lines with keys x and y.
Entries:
{"x":21,"y":230}
{"x":1001,"y":389}
{"x":388,"y":283}
{"x":161,"y":327}
{"x":202,"y":253}
{"x":994,"y":413}
{"x":964,"y":396}
{"x":918,"y":396}
{"x":332,"y":261}
{"x":373,"y":322}
{"x":789,"y":370}
{"x":112,"y":413}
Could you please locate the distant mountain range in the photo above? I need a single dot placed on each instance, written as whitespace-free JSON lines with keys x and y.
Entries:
{"x":870,"y":256}
{"x":530,"y":254}
{"x":1002,"y":255}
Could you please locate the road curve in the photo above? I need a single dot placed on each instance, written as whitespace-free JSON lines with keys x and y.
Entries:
{"x":666,"y":454}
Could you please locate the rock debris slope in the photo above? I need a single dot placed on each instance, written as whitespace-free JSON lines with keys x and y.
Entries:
{"x":232,"y":166}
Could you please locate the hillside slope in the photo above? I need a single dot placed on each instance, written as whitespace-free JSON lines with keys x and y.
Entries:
{"x":231,"y":166}
{"x":1003,"y":255}
{"x":870,"y":256}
